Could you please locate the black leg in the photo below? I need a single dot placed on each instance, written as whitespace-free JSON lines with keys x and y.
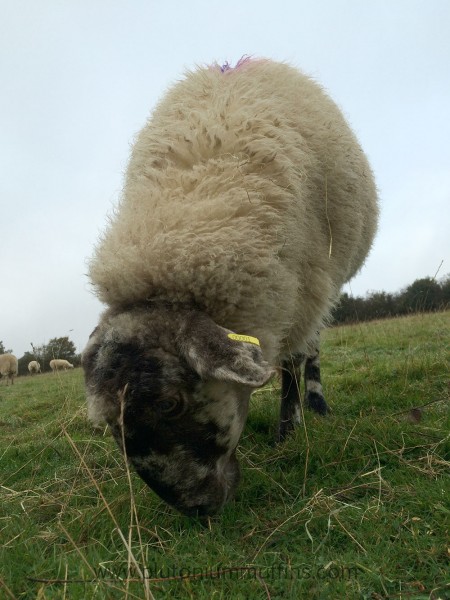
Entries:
{"x":290,"y":395}
{"x":290,"y":414}
{"x":313,"y":388}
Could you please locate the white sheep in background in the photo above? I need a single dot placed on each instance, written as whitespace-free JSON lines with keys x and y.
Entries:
{"x":59,"y":364}
{"x":9,"y":367}
{"x":34,"y":367}
{"x":247,"y":204}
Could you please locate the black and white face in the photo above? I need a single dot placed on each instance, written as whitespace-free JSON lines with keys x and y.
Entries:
{"x":175,"y":389}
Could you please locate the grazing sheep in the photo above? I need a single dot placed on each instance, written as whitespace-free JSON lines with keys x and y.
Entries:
{"x":247,"y":204}
{"x":34,"y":367}
{"x":9,"y":367}
{"x":58,"y":364}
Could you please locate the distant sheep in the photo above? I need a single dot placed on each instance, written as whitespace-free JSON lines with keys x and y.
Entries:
{"x":59,"y":364}
{"x":9,"y":367}
{"x":248,"y":203}
{"x":34,"y":367}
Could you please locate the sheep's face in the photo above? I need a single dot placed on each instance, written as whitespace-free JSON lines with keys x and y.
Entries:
{"x":175,"y":390}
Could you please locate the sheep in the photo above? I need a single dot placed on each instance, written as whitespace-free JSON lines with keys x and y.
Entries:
{"x":9,"y":367}
{"x":247,"y":204}
{"x":58,"y":364}
{"x":34,"y":367}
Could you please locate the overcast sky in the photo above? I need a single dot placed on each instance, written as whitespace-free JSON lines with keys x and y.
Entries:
{"x":78,"y":78}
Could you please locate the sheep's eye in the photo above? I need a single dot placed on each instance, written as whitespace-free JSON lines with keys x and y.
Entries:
{"x":167,"y":405}
{"x":171,"y":406}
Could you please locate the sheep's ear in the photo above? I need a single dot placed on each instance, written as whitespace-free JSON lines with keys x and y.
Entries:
{"x":216,"y":353}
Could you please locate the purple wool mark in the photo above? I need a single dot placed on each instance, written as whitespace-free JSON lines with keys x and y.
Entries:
{"x":227,"y":67}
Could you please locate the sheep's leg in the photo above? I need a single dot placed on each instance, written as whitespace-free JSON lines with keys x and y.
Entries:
{"x":290,"y":395}
{"x":290,"y":414}
{"x":313,"y":388}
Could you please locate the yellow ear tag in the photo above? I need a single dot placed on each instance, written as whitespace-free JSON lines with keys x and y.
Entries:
{"x":243,"y":338}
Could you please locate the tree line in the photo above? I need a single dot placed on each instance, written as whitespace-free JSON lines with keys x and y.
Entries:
{"x":61,"y":347}
{"x":424,"y":295}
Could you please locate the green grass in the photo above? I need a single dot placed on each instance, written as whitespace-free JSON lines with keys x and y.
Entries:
{"x":355,"y":505}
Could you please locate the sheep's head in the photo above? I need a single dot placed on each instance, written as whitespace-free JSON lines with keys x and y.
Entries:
{"x":174,"y":389}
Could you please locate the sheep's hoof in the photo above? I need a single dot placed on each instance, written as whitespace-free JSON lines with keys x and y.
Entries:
{"x":316,"y":402}
{"x":284,"y":429}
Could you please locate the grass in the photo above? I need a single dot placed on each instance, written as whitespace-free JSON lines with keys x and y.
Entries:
{"x":354,"y":505}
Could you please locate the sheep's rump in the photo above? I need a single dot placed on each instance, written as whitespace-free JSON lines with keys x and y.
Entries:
{"x":9,"y":366}
{"x":246,"y":194}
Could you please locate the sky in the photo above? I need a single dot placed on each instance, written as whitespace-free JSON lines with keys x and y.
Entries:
{"x":79,"y":78}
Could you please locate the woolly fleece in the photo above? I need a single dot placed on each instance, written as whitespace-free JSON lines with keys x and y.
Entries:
{"x":247,"y":196}
{"x":9,"y":366}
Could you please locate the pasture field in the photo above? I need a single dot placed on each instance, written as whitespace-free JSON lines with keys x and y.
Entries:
{"x":354,"y":505}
